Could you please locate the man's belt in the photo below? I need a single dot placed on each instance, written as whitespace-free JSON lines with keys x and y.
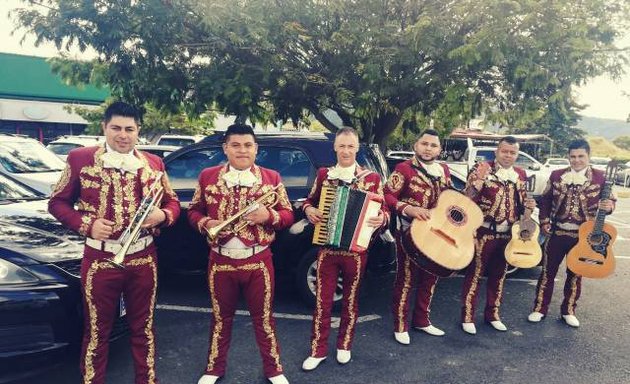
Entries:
{"x":568,"y":226}
{"x":499,"y":227}
{"x":239,"y":253}
{"x":113,"y":246}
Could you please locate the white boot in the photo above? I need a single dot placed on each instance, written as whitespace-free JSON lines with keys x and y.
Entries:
{"x":402,"y":337}
{"x":343,"y":356}
{"x":310,"y":363}
{"x":498,"y":325}
{"x":432,"y":330}
{"x":469,"y":328}
{"x":280,"y":379}
{"x":571,"y":320}
{"x":208,"y":379}
{"x":535,"y":317}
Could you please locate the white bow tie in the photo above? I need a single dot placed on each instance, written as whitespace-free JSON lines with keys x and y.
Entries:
{"x":340,"y":173}
{"x":123,"y":161}
{"x":572,"y":177}
{"x":235,"y":177}
{"x":507,"y":174}
{"x":433,"y":169}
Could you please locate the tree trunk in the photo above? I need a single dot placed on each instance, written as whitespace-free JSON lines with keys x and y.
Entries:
{"x":383,"y":127}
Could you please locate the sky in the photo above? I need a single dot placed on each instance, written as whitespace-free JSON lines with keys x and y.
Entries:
{"x":603,"y":96}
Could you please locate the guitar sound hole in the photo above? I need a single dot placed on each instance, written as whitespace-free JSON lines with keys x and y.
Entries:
{"x":457,"y":216}
{"x":596,"y":239}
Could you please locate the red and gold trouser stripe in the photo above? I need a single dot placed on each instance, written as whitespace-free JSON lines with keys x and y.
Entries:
{"x":489,"y":258}
{"x":253,"y":276}
{"x":407,"y":274}
{"x":329,"y":263}
{"x":102,"y":286}
{"x":555,"y":249}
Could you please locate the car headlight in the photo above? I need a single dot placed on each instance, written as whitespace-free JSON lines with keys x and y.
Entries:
{"x":13,"y":274}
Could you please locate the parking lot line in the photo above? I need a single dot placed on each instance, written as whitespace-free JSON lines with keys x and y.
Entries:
{"x":334,"y":320}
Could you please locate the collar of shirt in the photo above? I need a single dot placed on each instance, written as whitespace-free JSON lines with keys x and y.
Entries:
{"x":345,"y":174}
{"x":506,"y":174}
{"x":243,"y":178}
{"x":434,"y":169}
{"x":574,"y":178}
{"x":125,"y":162}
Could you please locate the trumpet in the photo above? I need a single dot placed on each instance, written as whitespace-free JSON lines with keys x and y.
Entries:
{"x":213,"y":233}
{"x":132,"y":232}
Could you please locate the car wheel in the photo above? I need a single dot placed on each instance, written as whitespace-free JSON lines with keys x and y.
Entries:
{"x":306,"y":279}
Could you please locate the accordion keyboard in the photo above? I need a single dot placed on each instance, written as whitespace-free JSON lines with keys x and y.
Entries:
{"x":327,"y":197}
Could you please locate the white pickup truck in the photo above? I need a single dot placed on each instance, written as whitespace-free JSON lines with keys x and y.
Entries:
{"x":529,"y":164}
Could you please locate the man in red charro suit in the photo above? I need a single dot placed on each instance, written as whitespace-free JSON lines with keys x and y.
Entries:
{"x":498,"y":187}
{"x":571,"y":197}
{"x":107,"y":184}
{"x":332,"y":261}
{"x":412,"y":190}
{"x":240,"y":261}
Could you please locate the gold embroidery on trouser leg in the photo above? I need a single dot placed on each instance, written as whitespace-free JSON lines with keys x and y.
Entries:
{"x":479,"y":244}
{"x":497,"y":301}
{"x":404,"y":296}
{"x":218,"y":325}
{"x":572,"y":296}
{"x":353,"y":297}
{"x":543,"y":281}
{"x":267,"y":318}
{"x":148,"y":329}
{"x":317,"y":320}
{"x":93,"y":315}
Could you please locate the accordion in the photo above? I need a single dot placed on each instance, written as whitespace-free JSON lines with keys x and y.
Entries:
{"x":345,"y":215}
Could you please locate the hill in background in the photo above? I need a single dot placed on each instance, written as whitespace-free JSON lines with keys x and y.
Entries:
{"x":604,"y":148}
{"x":606,"y":128}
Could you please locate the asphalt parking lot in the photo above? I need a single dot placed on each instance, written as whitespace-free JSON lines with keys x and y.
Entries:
{"x":548,"y":352}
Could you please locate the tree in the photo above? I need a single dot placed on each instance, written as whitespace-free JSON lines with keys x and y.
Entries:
{"x":379,"y":64}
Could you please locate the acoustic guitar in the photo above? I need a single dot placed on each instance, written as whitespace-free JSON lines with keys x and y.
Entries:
{"x":447,"y":238}
{"x":523,"y":250}
{"x":593,"y":255}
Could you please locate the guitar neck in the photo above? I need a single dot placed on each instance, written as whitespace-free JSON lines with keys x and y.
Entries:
{"x":600,"y":218}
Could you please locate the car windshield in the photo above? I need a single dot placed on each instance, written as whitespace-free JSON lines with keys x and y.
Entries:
{"x":10,"y":190}
{"x":178,"y":142}
{"x":62,"y":148}
{"x":28,"y":157}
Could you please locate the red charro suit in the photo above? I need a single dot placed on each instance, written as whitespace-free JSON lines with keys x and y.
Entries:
{"x":409,"y":186}
{"x":563,"y":204}
{"x":108,"y":193}
{"x":254,"y":275}
{"x":332,"y":261}
{"x":500,"y":202}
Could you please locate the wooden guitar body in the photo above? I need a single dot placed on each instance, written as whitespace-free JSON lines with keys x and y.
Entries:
{"x":445,"y":243}
{"x":523,"y":250}
{"x":593,"y":255}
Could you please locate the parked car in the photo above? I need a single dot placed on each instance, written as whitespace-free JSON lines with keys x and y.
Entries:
{"x":623,"y":175}
{"x":30,"y":162}
{"x":41,"y":308}
{"x":179,"y":140}
{"x":554,"y":163}
{"x":600,"y":162}
{"x":158,"y":150}
{"x":296,"y":157}
{"x":64,"y":144}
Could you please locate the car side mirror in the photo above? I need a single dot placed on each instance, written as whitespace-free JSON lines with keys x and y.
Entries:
{"x":535,"y":167}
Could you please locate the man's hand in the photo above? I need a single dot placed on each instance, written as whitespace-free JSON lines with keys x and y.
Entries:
{"x":313,"y":215}
{"x":102,"y":229}
{"x":258,"y":216}
{"x":546,"y":228}
{"x":155,"y":218}
{"x":376,"y":221}
{"x":530,"y":204}
{"x":417,"y":213}
{"x":606,"y":205}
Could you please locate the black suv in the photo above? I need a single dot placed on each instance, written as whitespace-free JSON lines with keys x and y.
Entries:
{"x":296,"y":156}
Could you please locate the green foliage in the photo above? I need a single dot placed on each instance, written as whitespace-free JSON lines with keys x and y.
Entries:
{"x":380,"y":65}
{"x":623,"y":142}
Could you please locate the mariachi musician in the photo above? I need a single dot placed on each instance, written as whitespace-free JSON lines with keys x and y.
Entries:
{"x":331,"y":261}
{"x":108,"y":184}
{"x":572,"y":196}
{"x":240,"y":259}
{"x":412,"y":190}
{"x":498,"y":187}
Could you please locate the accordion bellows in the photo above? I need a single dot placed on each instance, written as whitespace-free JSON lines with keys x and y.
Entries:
{"x":345,"y":215}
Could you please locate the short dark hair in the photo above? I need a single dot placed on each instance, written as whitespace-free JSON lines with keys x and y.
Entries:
{"x":509,"y":140}
{"x":430,"y":132}
{"x":120,"y":108}
{"x":347,"y":131}
{"x":580,"y":143}
{"x":238,"y":129}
